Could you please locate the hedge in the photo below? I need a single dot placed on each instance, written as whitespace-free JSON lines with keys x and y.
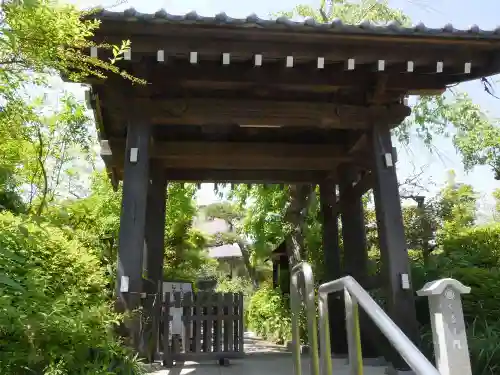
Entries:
{"x":471,"y":256}
{"x":477,"y":247}
{"x":54,"y":315}
{"x":269,"y":315}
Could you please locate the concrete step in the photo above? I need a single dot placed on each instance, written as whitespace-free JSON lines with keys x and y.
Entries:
{"x":258,"y":365}
{"x":263,"y":357}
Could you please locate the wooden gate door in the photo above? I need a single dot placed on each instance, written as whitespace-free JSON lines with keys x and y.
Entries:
{"x":213,"y":327}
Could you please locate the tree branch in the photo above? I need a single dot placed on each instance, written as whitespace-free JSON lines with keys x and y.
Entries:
{"x":44,"y":173}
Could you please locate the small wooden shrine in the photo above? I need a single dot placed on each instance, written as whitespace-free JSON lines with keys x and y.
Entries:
{"x":272,"y":101}
{"x":281,"y":268}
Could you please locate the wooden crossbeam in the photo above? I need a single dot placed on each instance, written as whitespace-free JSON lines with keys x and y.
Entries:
{"x":330,"y":77}
{"x":245,"y":176}
{"x":243,"y":155}
{"x":261,"y":113}
{"x":179,"y":149}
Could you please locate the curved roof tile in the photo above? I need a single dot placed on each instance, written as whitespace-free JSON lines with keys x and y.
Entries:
{"x":336,"y":25}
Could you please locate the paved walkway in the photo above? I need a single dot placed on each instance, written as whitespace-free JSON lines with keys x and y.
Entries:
{"x":262,"y":358}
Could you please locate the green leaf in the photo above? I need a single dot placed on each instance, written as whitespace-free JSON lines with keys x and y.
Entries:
{"x":23,"y":230}
{"x":11,"y":283}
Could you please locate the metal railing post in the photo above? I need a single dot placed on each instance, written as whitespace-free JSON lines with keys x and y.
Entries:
{"x":353,"y":334}
{"x":295,"y":307}
{"x":324,"y":336}
{"x":309,"y":296}
{"x":355,"y":294}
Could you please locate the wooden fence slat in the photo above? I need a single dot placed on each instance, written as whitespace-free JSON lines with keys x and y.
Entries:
{"x":219,"y":312}
{"x":212,"y":323}
{"x":225,"y":339}
{"x":188,"y":322}
{"x":241,"y":322}
{"x":168,"y":360}
{"x":197,"y":313}
{"x":177,"y":300}
{"x":176,"y":345}
{"x":228,"y":323}
{"x":235,"y":321}
{"x":176,"y":348}
{"x":205,"y":321}
{"x":190,"y":302}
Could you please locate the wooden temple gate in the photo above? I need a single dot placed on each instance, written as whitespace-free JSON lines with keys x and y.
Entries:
{"x":213,"y":327}
{"x":254,"y":101}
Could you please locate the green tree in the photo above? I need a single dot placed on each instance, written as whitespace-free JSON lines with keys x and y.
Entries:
{"x":46,"y":36}
{"x":42,"y":148}
{"x":350,"y":12}
{"x":56,"y":142}
{"x":40,"y":38}
{"x":184,"y":245}
{"x":233,"y":216}
{"x":453,"y":115}
{"x":95,"y":221}
{"x":420,"y":223}
{"x":456,"y":205}
{"x":496,"y":196}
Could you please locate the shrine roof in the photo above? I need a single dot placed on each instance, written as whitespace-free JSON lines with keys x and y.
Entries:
{"x":254,"y":100}
{"x":225,"y":251}
{"x":307,"y":25}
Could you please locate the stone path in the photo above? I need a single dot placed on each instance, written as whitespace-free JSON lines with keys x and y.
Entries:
{"x":262,"y":358}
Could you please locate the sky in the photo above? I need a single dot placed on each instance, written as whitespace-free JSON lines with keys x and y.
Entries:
{"x":434,"y":13}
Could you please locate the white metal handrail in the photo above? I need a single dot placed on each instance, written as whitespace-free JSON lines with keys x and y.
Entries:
{"x":295,"y":304}
{"x":354,"y":295}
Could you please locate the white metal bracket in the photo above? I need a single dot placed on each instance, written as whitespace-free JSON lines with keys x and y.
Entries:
{"x":124,"y":282}
{"x":134,"y":155}
{"x":405,"y":281}
{"x":388,"y":160}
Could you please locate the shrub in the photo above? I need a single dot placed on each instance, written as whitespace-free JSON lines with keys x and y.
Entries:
{"x":269,"y":315}
{"x":484,"y":347}
{"x":237,"y":285}
{"x":482,"y":302}
{"x":471,"y":256}
{"x":477,"y":247}
{"x":54,"y":316}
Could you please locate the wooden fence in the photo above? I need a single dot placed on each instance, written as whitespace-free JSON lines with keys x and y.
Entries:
{"x":213,"y":327}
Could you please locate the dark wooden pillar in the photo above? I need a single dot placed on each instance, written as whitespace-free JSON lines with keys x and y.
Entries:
{"x":394,"y":254}
{"x":355,"y":252}
{"x":353,"y":226}
{"x":332,"y":265}
{"x":155,"y":245}
{"x":132,"y":222}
